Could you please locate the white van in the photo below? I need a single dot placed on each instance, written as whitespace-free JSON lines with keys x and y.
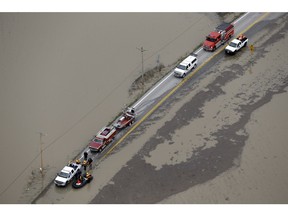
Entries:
{"x":185,"y":66}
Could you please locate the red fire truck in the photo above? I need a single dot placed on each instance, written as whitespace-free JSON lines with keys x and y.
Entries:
{"x":218,"y":37}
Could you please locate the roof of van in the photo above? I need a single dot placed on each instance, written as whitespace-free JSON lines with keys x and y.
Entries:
{"x":188,"y":60}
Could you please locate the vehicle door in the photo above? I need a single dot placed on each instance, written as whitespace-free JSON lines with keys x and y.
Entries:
{"x":222,"y":35}
{"x":188,"y":67}
{"x":219,"y":42}
{"x":194,"y":62}
{"x":239,"y":46}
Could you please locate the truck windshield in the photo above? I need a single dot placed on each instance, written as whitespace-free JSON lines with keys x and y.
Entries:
{"x":210,"y":39}
{"x":63,"y":174}
{"x":96,"y":140}
{"x":233,"y":44}
{"x":182,"y":67}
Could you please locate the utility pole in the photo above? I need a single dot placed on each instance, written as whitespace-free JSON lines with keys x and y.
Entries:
{"x":142,"y":50}
{"x":41,"y":151}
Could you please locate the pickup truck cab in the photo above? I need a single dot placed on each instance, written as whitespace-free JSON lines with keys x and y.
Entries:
{"x":236,"y":44}
{"x":66,"y":175}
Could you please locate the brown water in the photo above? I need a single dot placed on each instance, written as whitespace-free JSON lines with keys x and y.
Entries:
{"x":68,"y":75}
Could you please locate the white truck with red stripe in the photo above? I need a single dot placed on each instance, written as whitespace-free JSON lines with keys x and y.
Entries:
{"x":218,"y":37}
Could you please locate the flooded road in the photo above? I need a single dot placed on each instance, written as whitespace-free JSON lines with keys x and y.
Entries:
{"x":68,"y":75}
{"x":220,"y":139}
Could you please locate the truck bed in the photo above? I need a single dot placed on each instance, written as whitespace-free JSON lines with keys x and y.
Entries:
{"x":243,"y":39}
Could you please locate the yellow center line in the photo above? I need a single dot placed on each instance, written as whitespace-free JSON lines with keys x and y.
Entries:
{"x":172,"y":91}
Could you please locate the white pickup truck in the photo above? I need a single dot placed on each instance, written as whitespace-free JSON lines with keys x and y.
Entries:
{"x":236,"y":44}
{"x":67,"y":173}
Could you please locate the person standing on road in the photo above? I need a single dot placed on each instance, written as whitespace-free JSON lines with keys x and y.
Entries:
{"x":85,"y":155}
{"x":90,"y":160}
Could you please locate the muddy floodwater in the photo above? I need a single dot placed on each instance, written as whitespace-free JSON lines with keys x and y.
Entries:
{"x":68,"y":75}
{"x":221,"y":138}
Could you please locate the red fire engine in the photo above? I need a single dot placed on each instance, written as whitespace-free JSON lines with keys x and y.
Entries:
{"x":218,"y":37}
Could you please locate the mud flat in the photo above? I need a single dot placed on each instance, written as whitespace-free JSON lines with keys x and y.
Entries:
{"x":261,"y":175}
{"x":220,"y":139}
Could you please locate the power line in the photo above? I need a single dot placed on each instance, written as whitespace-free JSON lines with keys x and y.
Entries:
{"x":174,"y":39}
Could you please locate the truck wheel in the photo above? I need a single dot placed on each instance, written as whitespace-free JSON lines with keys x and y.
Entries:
{"x":195,"y":66}
{"x":184,"y":75}
{"x":245,"y":44}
